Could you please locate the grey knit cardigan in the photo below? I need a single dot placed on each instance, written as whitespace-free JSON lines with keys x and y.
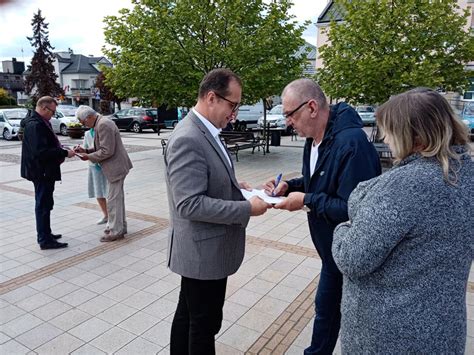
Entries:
{"x":405,"y":255}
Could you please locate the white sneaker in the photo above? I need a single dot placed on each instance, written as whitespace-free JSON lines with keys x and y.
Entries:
{"x":103,"y":220}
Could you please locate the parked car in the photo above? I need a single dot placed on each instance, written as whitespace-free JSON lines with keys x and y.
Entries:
{"x":67,"y":110}
{"x":137,"y":119}
{"x":467,"y":117}
{"x":276,"y":119}
{"x":367,"y":114}
{"x":172,"y":116}
{"x":247,"y":116}
{"x":62,"y":118}
{"x":10,"y":121}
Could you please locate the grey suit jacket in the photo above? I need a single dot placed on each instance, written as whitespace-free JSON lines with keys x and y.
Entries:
{"x":109,"y":151}
{"x":208,"y":211}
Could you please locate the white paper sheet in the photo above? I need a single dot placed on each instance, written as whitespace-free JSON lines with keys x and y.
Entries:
{"x":261,"y":193}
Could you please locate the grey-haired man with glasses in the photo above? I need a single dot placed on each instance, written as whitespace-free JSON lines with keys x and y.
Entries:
{"x":337,"y":156}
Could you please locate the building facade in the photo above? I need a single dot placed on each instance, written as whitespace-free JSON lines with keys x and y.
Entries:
{"x":12,"y":79}
{"x":77,"y":76}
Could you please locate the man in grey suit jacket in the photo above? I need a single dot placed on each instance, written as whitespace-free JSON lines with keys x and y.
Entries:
{"x":208,"y":213}
{"x":110,"y":153}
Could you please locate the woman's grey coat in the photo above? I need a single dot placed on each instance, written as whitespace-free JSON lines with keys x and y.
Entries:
{"x":405,"y":256}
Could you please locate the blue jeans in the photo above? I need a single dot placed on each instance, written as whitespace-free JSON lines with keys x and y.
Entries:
{"x":328,"y":310}
{"x":43,"y":205}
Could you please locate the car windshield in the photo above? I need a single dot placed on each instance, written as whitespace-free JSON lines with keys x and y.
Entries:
{"x":69,"y":111}
{"x":364,"y":109}
{"x":277,"y":110}
{"x":15,"y":114}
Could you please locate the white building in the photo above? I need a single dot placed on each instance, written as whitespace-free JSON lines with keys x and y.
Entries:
{"x":77,"y":75}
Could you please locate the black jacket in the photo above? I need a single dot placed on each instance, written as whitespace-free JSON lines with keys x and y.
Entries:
{"x":40,"y":155}
{"x":346,"y":157}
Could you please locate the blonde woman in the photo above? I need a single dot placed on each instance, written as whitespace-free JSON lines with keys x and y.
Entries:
{"x":97,"y":185}
{"x":407,"y":249}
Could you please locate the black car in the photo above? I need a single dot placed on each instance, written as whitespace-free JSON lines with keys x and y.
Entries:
{"x":137,"y":119}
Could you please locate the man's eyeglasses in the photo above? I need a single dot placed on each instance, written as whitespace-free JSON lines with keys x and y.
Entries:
{"x":289,"y":114}
{"x":235,"y":105}
{"x":50,"y":110}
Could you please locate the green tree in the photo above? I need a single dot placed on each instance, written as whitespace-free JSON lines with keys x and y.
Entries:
{"x":106,"y":94}
{"x":6,"y":99}
{"x":162,"y":48}
{"x":41,"y":77}
{"x":384,"y":47}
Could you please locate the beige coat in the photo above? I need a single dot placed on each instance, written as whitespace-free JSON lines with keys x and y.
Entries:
{"x":109,"y":151}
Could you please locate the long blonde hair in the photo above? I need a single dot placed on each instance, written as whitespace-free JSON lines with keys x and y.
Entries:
{"x":421,"y":120}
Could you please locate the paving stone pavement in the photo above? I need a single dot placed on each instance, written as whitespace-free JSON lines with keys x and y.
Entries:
{"x":119,"y":298}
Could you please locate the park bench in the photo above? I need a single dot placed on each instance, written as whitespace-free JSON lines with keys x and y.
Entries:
{"x":236,"y":141}
{"x":382,"y":149}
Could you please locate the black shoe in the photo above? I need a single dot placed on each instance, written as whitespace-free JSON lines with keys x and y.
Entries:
{"x":53,"y":245}
{"x":56,"y":236}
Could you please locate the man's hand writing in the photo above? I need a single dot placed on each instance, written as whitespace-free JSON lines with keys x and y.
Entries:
{"x":79,"y":149}
{"x":280,"y":190}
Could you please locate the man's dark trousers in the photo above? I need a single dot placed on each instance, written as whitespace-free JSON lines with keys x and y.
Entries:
{"x":198,"y":316}
{"x":328,"y":312}
{"x":43,"y":205}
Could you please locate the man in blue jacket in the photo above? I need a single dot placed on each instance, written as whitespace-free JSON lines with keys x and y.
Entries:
{"x":41,"y":157}
{"x":337,"y":156}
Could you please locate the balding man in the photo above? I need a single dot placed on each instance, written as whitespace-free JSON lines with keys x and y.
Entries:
{"x":41,"y":157}
{"x":109,"y":152}
{"x":337,"y":156}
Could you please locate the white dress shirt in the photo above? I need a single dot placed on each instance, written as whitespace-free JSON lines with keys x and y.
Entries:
{"x":214,"y":132}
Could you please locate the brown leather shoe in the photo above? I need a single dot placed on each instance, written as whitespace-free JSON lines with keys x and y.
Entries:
{"x":111,"y":238}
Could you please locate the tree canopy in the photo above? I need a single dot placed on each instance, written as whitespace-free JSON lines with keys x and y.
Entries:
{"x":384,"y":47}
{"x":41,"y":78}
{"x":161,"y":49}
{"x":5,"y":98}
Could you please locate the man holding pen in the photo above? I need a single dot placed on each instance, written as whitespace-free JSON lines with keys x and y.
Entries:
{"x":208,"y":213}
{"x":110,"y":153}
{"x":337,"y":156}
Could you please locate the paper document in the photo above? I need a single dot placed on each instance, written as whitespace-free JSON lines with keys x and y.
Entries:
{"x":261,"y":193}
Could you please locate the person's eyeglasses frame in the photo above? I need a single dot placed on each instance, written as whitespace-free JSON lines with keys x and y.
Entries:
{"x":50,"y":110}
{"x":235,"y":105}
{"x":289,"y":114}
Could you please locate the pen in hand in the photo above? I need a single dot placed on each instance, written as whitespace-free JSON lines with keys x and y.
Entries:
{"x":277,"y":181}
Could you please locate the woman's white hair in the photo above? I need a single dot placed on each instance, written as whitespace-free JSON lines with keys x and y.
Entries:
{"x":85,"y":111}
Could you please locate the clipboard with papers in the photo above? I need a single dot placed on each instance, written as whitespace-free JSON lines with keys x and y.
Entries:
{"x":261,"y":193}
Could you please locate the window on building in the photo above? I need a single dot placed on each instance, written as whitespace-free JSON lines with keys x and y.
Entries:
{"x":469,"y":93}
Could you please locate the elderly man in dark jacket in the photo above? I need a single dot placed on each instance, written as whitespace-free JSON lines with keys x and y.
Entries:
{"x":337,"y":156}
{"x":41,"y":156}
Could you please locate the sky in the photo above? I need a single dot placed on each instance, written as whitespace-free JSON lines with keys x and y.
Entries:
{"x":78,"y":24}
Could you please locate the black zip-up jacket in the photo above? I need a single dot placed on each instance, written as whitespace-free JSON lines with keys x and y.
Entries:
{"x":40,"y":155}
{"x":345,"y":158}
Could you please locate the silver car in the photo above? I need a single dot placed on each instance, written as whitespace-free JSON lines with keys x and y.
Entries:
{"x":367,"y":114}
{"x":61,"y":118}
{"x":276,"y":120}
{"x":10,"y":121}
